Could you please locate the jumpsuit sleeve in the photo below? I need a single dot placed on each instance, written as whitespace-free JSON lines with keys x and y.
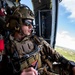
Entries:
{"x":48,"y":51}
{"x":56,"y":57}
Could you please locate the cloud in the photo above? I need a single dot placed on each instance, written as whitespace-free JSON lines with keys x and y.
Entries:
{"x":70,"y":7}
{"x":65,"y":40}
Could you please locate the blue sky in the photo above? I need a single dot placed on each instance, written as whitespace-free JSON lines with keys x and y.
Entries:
{"x":66,"y":23}
{"x":28,"y":3}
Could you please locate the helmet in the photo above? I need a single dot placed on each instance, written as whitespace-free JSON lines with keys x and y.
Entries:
{"x":20,"y":14}
{"x":23,"y":12}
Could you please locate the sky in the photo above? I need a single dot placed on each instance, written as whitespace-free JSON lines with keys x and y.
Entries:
{"x":66,"y":23}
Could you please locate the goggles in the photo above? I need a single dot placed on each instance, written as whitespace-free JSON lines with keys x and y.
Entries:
{"x":27,"y":22}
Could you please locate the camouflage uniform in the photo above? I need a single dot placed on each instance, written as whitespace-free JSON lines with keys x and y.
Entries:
{"x":31,"y":50}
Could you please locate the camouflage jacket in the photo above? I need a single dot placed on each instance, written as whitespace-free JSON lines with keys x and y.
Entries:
{"x":36,"y":52}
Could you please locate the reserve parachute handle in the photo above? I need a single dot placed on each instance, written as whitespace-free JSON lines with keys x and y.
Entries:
{"x":1,"y":43}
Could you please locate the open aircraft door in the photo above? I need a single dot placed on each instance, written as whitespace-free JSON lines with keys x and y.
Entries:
{"x":46,"y":13}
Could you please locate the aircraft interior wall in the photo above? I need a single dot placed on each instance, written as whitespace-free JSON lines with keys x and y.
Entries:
{"x":46,"y":19}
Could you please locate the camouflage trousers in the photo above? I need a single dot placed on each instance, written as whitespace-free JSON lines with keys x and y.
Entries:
{"x":43,"y":71}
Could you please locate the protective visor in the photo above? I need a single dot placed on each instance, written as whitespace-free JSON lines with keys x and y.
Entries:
{"x":27,"y":22}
